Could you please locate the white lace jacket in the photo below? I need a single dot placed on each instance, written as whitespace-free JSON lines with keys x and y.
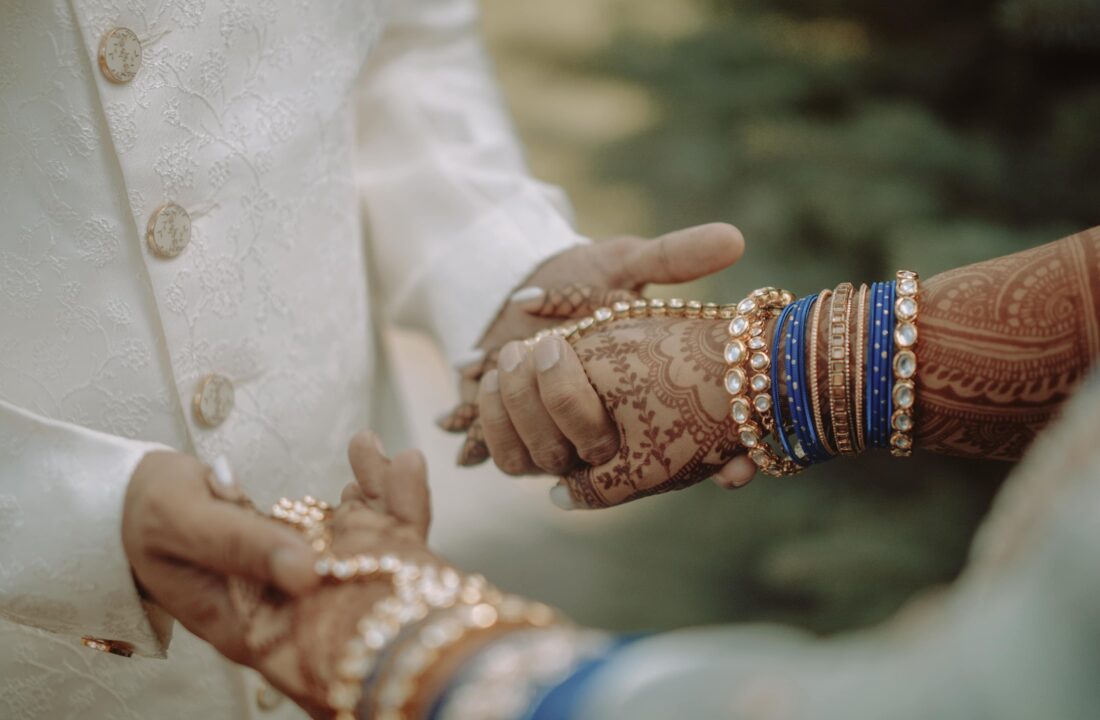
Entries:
{"x":265,"y":123}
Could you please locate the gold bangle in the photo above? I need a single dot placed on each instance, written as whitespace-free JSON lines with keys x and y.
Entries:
{"x":840,"y":309}
{"x":815,"y":396}
{"x":856,"y":360}
{"x":906,"y":309}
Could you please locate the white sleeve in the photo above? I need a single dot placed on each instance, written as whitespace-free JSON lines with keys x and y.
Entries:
{"x":456,"y":221}
{"x":62,"y":565}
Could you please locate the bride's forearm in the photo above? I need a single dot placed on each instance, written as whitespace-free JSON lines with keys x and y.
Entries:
{"x":1002,"y":343}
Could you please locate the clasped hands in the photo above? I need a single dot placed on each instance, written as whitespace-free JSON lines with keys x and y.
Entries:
{"x":247,"y":584}
{"x":634,"y":410}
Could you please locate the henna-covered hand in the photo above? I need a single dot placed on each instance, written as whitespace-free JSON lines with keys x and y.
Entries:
{"x":661,"y":380}
{"x":296,"y":643}
{"x":569,"y":285}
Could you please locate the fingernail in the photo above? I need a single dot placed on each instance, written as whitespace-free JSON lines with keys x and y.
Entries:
{"x":547,"y":353}
{"x":468,"y":358}
{"x":511,"y":356}
{"x":377,"y":441}
{"x":527,"y":294}
{"x":491,"y":381}
{"x":559,"y":495}
{"x":292,"y":569}
{"x":223,"y":474}
{"x":473,"y":452}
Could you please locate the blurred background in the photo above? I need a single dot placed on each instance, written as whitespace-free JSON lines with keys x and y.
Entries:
{"x":845,"y":138}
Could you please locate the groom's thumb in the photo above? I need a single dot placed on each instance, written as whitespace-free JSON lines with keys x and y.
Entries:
{"x":683,"y":255}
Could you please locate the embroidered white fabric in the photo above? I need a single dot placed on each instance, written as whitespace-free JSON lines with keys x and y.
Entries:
{"x":266,"y":123}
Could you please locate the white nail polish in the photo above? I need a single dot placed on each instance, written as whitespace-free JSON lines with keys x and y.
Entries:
{"x":559,"y":495}
{"x":547,"y":353}
{"x":511,"y":356}
{"x":527,"y":294}
{"x":469,"y":358}
{"x":223,"y":474}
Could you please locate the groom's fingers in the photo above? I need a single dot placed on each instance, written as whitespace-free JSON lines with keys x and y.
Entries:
{"x":407,"y":490}
{"x":369,"y":463}
{"x":572,"y":402}
{"x":519,"y":390}
{"x":682,"y":255}
{"x":501,"y":438}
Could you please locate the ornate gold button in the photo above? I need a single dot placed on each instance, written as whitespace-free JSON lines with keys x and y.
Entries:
{"x":168,"y":231}
{"x":120,"y":55}
{"x":268,"y":698}
{"x":114,"y":647}
{"x":213,"y":400}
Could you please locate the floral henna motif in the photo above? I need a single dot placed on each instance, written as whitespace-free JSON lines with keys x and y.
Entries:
{"x":1003,"y":344}
{"x":661,"y":381}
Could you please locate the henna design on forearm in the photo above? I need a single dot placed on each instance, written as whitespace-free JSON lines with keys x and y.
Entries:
{"x":1003,"y":343}
{"x":661,"y":380}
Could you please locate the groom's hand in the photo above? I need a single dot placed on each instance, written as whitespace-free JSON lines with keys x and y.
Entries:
{"x":528,"y":430}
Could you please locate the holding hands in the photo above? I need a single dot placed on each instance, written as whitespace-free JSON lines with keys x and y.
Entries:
{"x":634,"y":410}
{"x":531,"y":407}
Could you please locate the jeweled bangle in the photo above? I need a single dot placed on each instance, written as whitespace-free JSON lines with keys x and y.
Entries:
{"x":839,"y":370}
{"x":906,"y":309}
{"x":416,"y":590}
{"x":505,"y":680}
{"x":748,"y":348}
{"x":444,"y":630}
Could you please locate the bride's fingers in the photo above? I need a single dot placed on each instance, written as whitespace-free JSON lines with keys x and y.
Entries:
{"x":350,"y":492}
{"x":462,"y":417}
{"x":738,"y":472}
{"x":369,"y":463}
{"x":474,"y":451}
{"x":568,"y":301}
{"x":407,"y":491}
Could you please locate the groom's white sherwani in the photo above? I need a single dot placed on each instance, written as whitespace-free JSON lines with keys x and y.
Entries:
{"x":185,"y":191}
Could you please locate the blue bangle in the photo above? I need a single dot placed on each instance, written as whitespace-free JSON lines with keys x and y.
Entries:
{"x":777,"y":405}
{"x":879,"y":350}
{"x":797,"y":386}
{"x":892,"y":286}
{"x":869,"y":426}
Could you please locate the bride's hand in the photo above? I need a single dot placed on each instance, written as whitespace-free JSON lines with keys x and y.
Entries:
{"x":661,"y":382}
{"x":296,"y":644}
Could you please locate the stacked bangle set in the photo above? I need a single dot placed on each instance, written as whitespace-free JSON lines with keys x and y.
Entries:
{"x":777,"y":404}
{"x":429,"y":611}
{"x":870,"y":390}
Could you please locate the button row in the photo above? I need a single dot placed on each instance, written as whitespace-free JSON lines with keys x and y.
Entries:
{"x":168,"y":233}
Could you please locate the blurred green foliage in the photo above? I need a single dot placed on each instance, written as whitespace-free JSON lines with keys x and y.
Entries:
{"x":847,"y":138}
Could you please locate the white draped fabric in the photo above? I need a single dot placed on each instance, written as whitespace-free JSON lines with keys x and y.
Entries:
{"x":1014,"y":638}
